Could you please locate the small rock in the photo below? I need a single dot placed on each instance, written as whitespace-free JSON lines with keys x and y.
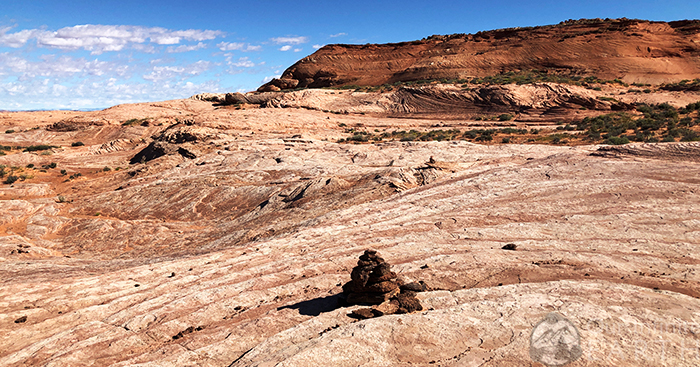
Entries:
{"x":415,"y":287}
{"x":510,"y":246}
{"x":386,"y":308}
{"x":363,"y":313}
{"x":408,"y":303}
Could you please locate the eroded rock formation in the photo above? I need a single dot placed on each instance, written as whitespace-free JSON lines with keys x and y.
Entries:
{"x":633,"y":50}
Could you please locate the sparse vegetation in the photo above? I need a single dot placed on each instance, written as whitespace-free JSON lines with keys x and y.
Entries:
{"x":9,"y":131}
{"x":77,"y":144}
{"x":661,"y":122}
{"x":505,"y":117}
{"x":11,"y":179}
{"x":141,"y":122}
{"x":41,"y":147}
{"x":683,"y":85}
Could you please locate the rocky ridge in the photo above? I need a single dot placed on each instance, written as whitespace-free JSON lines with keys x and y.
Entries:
{"x":635,"y":51}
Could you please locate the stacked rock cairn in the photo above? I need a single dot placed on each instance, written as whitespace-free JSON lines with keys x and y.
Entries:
{"x":373,"y":283}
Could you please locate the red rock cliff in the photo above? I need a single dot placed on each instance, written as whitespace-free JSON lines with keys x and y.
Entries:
{"x":633,"y":50}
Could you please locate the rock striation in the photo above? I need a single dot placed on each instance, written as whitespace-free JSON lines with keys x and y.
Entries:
{"x":632,"y":50}
{"x":373,"y":282}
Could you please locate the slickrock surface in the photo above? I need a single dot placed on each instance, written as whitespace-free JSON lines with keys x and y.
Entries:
{"x":237,"y":253}
{"x":635,"y":51}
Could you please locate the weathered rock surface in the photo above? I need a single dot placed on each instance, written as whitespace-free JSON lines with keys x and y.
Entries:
{"x":633,"y":50}
{"x":238,"y":255}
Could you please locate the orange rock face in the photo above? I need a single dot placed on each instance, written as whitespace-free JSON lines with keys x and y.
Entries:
{"x":632,"y":50}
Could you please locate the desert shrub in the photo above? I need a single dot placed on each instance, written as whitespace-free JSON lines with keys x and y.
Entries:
{"x":30,"y":165}
{"x":34,"y":148}
{"x":505,"y":117}
{"x":510,"y":130}
{"x":11,"y":179}
{"x":106,"y":169}
{"x":77,"y":144}
{"x":64,"y":172}
{"x":9,"y":131}
{"x":615,"y":140}
{"x":505,"y":140}
{"x":683,"y":85}
{"x":668,"y":139}
{"x":689,"y":135}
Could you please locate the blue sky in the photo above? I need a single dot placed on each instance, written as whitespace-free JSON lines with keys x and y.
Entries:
{"x":95,"y":54}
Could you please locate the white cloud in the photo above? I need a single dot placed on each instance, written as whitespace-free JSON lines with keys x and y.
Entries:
{"x":297,"y":50}
{"x":242,"y":62}
{"x":285,"y":48}
{"x":269,"y":78}
{"x":186,"y":48}
{"x":316,"y":47}
{"x":289,"y":40}
{"x":160,"y":73}
{"x":338,"y":35}
{"x":231,"y":46}
{"x":63,"y":66}
{"x":38,"y":94}
{"x":18,"y":39}
{"x":104,"y":38}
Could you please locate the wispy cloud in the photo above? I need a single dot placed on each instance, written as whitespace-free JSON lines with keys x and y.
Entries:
{"x":316,"y":47}
{"x":269,"y":78}
{"x":55,"y":67}
{"x":186,"y":48}
{"x":289,"y":40}
{"x":242,"y":62}
{"x":235,"y":46}
{"x":169,"y":72}
{"x":98,"y":38}
{"x":338,"y":35}
{"x":286,"y":48}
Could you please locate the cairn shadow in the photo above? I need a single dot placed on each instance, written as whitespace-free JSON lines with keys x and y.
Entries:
{"x":317,"y":306}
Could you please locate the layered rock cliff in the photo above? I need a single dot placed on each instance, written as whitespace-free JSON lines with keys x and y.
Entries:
{"x":631,"y":50}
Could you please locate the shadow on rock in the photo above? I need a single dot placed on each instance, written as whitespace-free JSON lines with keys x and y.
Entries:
{"x":316,"y":306}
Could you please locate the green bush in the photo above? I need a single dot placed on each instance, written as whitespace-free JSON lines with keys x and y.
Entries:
{"x":34,"y":148}
{"x":505,"y":117}
{"x":11,"y":179}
